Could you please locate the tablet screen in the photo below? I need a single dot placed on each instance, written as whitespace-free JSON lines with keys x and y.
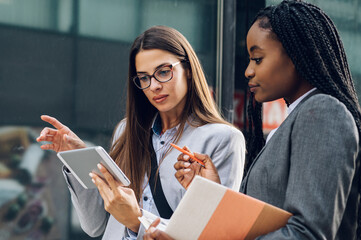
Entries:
{"x":83,"y":161}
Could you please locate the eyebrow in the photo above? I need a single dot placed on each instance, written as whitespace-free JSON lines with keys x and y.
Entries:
{"x":255,"y":47}
{"x":156,"y":68}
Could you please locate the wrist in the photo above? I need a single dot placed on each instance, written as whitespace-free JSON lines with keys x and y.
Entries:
{"x":135,"y":227}
{"x":215,"y":179}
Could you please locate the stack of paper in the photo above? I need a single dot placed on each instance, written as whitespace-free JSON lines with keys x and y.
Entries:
{"x":211,"y":211}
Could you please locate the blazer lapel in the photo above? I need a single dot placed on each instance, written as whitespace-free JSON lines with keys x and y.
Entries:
{"x":245,"y":180}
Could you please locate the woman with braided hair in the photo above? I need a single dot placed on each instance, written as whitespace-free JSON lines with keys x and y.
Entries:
{"x":309,"y":166}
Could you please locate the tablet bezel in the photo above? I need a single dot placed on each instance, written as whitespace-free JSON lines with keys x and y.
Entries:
{"x":80,"y":165}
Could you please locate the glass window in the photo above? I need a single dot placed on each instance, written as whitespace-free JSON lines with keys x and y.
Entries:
{"x":69,"y":59}
{"x":111,"y":19}
{"x":40,"y":14}
{"x":125,"y":20}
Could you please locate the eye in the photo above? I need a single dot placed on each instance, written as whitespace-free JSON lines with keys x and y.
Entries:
{"x":143,"y":78}
{"x":257,"y":60}
{"x":164,"y":72}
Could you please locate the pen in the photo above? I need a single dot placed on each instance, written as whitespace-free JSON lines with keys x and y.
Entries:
{"x":188,"y":153}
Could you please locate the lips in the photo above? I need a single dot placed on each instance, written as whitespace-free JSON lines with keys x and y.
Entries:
{"x":160,"y":98}
{"x":252,"y":87}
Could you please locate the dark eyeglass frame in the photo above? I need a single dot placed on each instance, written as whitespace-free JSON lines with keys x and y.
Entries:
{"x":171,"y":66}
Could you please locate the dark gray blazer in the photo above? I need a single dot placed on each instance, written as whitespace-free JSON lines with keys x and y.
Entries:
{"x":308,"y":168}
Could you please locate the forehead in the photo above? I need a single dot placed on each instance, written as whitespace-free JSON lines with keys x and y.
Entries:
{"x":262,"y":38}
{"x":148,"y":60}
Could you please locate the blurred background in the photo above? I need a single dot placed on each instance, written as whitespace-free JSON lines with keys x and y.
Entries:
{"x":69,"y":59}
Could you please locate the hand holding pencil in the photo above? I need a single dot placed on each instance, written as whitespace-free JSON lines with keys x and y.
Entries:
{"x":187,"y":152}
{"x":187,"y":167}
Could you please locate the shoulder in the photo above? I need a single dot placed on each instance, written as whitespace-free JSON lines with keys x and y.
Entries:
{"x":322,"y":98}
{"x":323,"y":112}
{"x":326,"y":105}
{"x":119,"y":129}
{"x":219,"y":130}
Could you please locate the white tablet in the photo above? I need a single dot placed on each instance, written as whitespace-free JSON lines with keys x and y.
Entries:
{"x":83,"y":161}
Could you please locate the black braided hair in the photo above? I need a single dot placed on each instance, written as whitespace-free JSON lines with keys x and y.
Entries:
{"x":312,"y":41}
{"x":255,"y":140}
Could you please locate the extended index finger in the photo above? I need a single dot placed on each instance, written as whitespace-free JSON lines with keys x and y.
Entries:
{"x":181,"y":156}
{"x":181,"y":165}
{"x":53,"y":121}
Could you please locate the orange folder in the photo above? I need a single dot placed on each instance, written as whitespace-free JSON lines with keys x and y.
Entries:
{"x":211,"y":211}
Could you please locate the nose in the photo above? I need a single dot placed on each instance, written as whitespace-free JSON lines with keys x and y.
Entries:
{"x":249,"y":73}
{"x":154,"y":84}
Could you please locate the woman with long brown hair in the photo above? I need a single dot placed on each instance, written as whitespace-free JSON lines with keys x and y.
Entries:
{"x":310,"y":166}
{"x":168,"y":100}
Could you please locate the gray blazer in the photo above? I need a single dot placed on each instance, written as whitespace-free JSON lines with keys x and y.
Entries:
{"x":223,"y":143}
{"x":308,"y":168}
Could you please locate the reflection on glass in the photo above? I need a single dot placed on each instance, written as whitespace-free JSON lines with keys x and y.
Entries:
{"x":48,"y":15}
{"x":27,"y":186}
{"x":69,"y":59}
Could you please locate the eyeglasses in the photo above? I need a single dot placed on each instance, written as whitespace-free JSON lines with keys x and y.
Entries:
{"x":162,"y":74}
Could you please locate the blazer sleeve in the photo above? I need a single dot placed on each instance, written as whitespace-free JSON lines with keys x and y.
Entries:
{"x":323,"y":157}
{"x":229,"y":156}
{"x":88,"y":203}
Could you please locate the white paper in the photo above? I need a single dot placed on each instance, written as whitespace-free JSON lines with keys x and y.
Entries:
{"x":148,"y":218}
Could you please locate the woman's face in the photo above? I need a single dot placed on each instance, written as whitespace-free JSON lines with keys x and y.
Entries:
{"x":271,"y":73}
{"x":167,"y":97}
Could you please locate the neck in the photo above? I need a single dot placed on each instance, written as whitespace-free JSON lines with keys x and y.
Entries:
{"x":303,"y":88}
{"x":169,"y":120}
{"x":172,"y":118}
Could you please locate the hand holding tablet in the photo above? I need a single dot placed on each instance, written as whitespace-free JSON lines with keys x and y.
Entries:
{"x":83,"y":161}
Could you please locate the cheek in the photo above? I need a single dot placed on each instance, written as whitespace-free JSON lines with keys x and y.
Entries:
{"x":182,"y":88}
{"x":282,"y":83}
{"x":274,"y":84}
{"x":277,"y":74}
{"x":147,"y":94}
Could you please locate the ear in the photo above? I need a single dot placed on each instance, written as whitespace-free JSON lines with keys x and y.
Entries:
{"x":189,"y":73}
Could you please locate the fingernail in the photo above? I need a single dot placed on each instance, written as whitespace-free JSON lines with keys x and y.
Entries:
{"x":185,"y":157}
{"x":93,"y":180}
{"x":99,"y":166}
{"x":91,"y":175}
{"x":187,"y":164}
{"x":186,"y":170}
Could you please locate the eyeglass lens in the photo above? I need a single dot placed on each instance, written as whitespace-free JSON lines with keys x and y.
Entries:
{"x":163,"y":74}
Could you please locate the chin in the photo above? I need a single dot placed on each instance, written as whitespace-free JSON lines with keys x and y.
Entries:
{"x":163,"y":109}
{"x":259,"y":99}
{"x":262,"y":98}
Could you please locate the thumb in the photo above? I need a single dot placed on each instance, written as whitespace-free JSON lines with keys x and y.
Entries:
{"x":206,"y":160}
{"x":153,"y":226}
{"x":211,"y":172}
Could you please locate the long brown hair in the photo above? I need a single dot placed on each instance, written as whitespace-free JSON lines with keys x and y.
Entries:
{"x":131,"y":151}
